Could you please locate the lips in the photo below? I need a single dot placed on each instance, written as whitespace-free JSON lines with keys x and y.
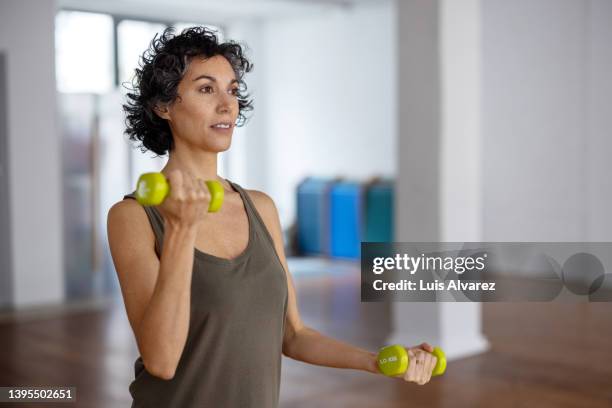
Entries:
{"x":222,"y":125}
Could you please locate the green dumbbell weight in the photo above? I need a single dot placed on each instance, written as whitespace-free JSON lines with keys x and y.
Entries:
{"x":153,"y":188}
{"x":393,"y":360}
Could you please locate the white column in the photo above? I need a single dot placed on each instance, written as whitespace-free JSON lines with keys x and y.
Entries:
{"x":34,"y":159}
{"x":439,"y":193}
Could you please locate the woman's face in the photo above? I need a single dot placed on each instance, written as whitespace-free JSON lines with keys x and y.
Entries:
{"x":204,"y":114}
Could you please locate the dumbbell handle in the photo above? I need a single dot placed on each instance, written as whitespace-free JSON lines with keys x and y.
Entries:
{"x":394,"y":360}
{"x":153,"y":188}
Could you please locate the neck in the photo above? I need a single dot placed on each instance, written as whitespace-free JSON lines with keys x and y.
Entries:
{"x":199,"y":164}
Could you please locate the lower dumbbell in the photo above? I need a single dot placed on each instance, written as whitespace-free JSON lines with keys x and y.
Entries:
{"x":394,"y":360}
{"x":153,"y":188}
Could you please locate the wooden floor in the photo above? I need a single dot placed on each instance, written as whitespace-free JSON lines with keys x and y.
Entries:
{"x":542,"y":355}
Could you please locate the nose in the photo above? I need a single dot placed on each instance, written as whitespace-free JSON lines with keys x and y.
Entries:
{"x":225,"y":104}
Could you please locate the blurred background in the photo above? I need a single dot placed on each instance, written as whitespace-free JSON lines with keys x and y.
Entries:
{"x":374,"y":120}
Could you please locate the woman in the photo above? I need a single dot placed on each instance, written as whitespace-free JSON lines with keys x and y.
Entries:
{"x":208,"y":295}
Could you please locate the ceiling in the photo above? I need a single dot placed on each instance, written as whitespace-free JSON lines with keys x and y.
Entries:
{"x":212,"y":11}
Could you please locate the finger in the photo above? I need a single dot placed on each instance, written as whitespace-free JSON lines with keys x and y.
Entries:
{"x":196,"y":184}
{"x":427,"y":347}
{"x":410,"y":373}
{"x":200,"y":185}
{"x":195,"y":193}
{"x":419,"y":374}
{"x":202,"y":189}
{"x":434,"y":361}
{"x":413,"y":367}
{"x":186,"y":188}
{"x":421,"y":362}
{"x":429,"y":366}
{"x":197,"y":187}
{"x":189,"y":181}
{"x":176,"y":180}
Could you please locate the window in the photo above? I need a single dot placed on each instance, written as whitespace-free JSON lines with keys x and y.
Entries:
{"x":133,"y":38}
{"x":85,"y":49}
{"x":84,"y":52}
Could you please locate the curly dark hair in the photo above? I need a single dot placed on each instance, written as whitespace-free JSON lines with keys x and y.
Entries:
{"x":161,"y":68}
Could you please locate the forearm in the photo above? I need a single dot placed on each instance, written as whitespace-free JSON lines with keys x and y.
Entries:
{"x":165,"y":323}
{"x":312,"y":347}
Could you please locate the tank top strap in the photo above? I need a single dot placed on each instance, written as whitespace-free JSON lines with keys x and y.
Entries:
{"x":156,"y":221}
{"x":259,"y":225}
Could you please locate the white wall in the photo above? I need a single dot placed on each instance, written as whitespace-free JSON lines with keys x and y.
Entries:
{"x":599,"y":121}
{"x":547,"y":110}
{"x":6,"y":265}
{"x":329,"y":98}
{"x":461,"y":140}
{"x":27,"y":39}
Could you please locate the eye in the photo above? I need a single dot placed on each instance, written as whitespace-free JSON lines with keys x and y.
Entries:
{"x":206,"y":89}
{"x":235,"y":91}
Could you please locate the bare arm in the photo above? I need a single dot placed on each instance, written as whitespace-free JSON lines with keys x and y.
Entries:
{"x":301,"y":342}
{"x":156,"y":292}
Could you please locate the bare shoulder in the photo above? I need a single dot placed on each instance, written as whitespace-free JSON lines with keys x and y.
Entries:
{"x":267,"y":210}
{"x":265,"y":206}
{"x":269,"y":214}
{"x":128,"y":210}
{"x":123,"y":207}
{"x":127,"y":218}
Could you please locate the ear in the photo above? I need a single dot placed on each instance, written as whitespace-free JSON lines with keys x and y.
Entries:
{"x":162,"y":111}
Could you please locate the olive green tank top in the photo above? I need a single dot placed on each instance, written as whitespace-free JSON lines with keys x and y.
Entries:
{"x":232,"y":356}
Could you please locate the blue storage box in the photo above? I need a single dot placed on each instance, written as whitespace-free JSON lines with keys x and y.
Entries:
{"x":379,"y":197}
{"x":346,"y":219}
{"x":312,"y":216}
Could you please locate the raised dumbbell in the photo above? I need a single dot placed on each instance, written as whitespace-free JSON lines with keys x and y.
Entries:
{"x":153,"y":188}
{"x":393,"y":360}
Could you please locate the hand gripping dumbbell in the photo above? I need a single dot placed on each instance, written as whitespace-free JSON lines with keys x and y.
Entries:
{"x":393,"y":360}
{"x":153,"y":188}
